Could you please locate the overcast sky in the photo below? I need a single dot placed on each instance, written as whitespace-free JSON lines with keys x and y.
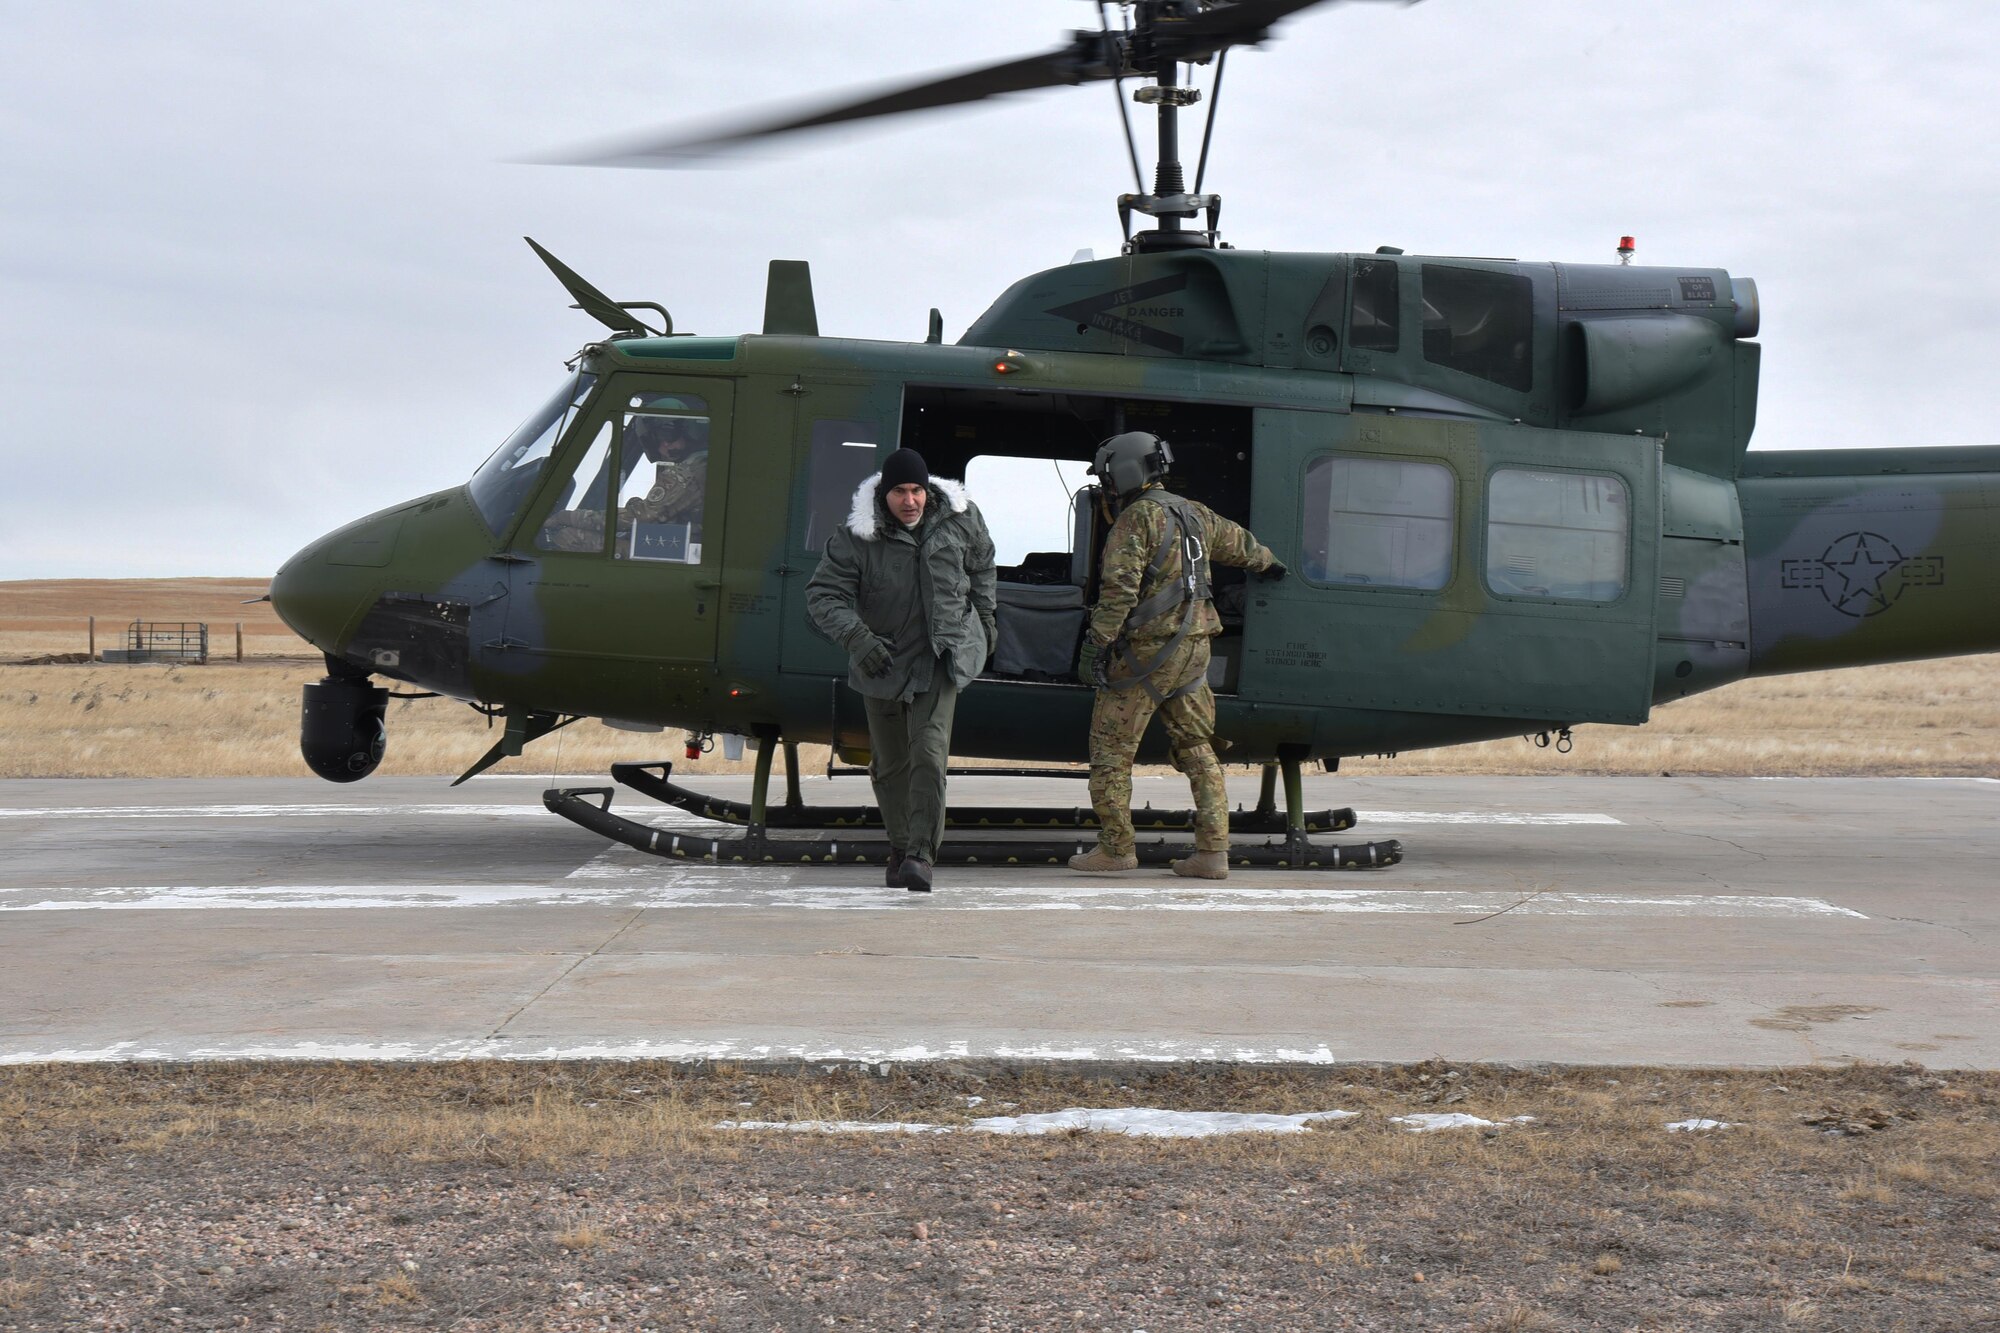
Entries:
{"x":261,"y":268}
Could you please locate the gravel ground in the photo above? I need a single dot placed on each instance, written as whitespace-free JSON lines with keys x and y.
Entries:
{"x":571,"y":1198}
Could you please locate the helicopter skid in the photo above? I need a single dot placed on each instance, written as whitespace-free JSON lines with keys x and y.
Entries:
{"x":655,"y":780}
{"x":754,"y":846}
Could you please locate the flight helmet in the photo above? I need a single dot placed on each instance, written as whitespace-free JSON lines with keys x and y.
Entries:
{"x":1130,"y":462}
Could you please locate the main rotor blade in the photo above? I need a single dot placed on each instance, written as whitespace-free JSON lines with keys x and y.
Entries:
{"x":1089,"y":56}
{"x":1081,"y":61}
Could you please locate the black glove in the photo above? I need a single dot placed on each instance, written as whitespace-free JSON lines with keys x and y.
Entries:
{"x":876,"y":659}
{"x":1272,"y":572}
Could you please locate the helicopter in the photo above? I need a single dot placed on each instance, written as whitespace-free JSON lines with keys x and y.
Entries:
{"x":1516,"y":497}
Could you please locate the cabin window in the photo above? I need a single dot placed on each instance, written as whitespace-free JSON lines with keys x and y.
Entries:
{"x":1026,"y":503}
{"x":842,"y":457}
{"x":662,"y":478}
{"x":1481,"y":323}
{"x":506,"y":480}
{"x":577,"y":521}
{"x":1371,"y":326}
{"x":1557,"y":534}
{"x":1379,"y":522}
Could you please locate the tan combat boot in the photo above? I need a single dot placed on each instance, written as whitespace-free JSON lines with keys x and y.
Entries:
{"x":1097,"y":861}
{"x":1204,"y":865}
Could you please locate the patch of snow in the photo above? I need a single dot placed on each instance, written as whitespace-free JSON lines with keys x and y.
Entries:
{"x":1148,"y":1122}
{"x":1688,"y":1126}
{"x":1424,"y":1122}
{"x":1139,"y":1121}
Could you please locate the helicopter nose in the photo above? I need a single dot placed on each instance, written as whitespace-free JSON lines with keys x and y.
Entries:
{"x":323,"y":590}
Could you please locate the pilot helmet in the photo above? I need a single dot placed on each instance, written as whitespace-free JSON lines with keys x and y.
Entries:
{"x":1130,"y":462}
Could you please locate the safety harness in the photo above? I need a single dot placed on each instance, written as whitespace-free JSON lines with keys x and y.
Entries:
{"x":1189,"y":591}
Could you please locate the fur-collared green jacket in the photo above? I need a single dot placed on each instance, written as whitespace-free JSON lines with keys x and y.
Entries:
{"x":927,"y":592}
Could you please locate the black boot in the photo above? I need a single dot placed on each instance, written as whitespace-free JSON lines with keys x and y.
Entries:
{"x":916,"y":874}
{"x":895,"y":866}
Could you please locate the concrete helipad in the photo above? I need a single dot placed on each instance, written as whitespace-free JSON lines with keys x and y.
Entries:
{"x":1576,"y":920}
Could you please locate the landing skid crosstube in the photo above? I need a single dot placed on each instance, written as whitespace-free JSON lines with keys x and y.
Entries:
{"x":655,"y":780}
{"x":590,"y":807}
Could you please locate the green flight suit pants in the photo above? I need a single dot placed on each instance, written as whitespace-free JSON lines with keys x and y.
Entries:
{"x":910,"y":746}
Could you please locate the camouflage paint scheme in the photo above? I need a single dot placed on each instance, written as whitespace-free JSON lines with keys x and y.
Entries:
{"x":1736,"y":565}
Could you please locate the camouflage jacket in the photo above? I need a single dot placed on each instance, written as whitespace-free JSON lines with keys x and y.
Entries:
{"x":677,"y":493}
{"x":1128,"y":552}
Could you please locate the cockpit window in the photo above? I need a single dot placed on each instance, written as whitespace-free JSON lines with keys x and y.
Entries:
{"x":576,"y":522}
{"x":506,"y":480}
{"x":1480,"y":322}
{"x":1371,"y":327}
{"x":662,"y":478}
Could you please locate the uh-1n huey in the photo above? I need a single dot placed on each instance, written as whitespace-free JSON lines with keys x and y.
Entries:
{"x":1515,"y":497}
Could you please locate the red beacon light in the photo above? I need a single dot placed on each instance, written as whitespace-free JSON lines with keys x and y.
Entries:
{"x":1625,"y":249}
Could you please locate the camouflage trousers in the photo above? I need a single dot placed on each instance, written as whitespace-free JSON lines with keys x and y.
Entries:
{"x":1118,"y":719}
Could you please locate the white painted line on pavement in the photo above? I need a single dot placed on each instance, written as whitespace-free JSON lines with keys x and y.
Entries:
{"x":295,"y":811}
{"x":1369,"y":820}
{"x":1906,"y":777}
{"x":722,"y":888}
{"x":321,"y":810}
{"x":728,"y":1049}
{"x":731,"y":1050}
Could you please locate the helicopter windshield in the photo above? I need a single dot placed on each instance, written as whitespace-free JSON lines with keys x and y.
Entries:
{"x":506,"y":480}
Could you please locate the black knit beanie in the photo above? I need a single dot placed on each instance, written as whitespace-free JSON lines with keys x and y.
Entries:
{"x":902,"y":468}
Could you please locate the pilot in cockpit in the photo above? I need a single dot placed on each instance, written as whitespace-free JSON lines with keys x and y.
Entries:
{"x":677,"y":447}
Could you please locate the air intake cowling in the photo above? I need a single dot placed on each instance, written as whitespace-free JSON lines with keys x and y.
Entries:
{"x":1618,"y":361}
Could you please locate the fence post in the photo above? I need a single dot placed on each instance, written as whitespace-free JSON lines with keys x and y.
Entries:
{"x":93,"y":638}
{"x":239,"y":641}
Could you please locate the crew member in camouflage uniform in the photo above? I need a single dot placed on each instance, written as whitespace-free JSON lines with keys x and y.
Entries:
{"x":1147,"y":650}
{"x":908,"y":588}
{"x":678,"y":448}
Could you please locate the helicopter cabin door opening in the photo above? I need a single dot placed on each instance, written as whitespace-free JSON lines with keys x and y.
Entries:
{"x":1023,"y":457}
{"x":610,"y":564}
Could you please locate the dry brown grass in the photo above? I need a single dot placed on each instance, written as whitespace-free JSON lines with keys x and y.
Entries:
{"x":1930,"y":719}
{"x":1918,"y":719}
{"x":231,"y":720}
{"x":1938,"y":1135}
{"x":495,"y":1114}
{"x":395,"y":1289}
{"x":1581,"y":1218}
{"x":40,"y":616}
{"x":582,"y":1236}
{"x":16,"y":1292}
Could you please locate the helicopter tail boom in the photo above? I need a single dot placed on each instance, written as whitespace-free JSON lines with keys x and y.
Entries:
{"x":1870,"y":555}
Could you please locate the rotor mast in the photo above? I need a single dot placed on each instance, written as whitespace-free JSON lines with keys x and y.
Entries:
{"x":1169,"y":205}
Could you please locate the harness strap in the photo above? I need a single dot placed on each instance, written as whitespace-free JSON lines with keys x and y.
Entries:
{"x":1141,"y":677}
{"x":1186,"y":592}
